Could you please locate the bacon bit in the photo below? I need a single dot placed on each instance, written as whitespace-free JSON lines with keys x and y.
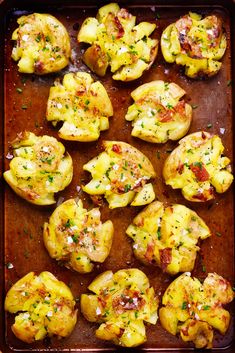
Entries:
{"x":80,"y":92}
{"x":102,"y":301}
{"x":124,"y":14}
{"x":180,"y":107}
{"x":39,"y":66}
{"x":32,"y":195}
{"x":165,"y":257}
{"x":94,"y":94}
{"x":121,"y":331}
{"x":97,"y":200}
{"x":200,"y":172}
{"x":180,"y":168}
{"x":116,"y":148}
{"x":129,"y":300}
{"x":204,"y":196}
{"x":184,"y":330}
{"x":149,"y":252}
{"x":166,"y":116}
{"x":119,"y":27}
{"x":203,"y":135}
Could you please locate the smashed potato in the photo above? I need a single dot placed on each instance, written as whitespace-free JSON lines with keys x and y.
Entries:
{"x":117,"y":42}
{"x":158,"y":113}
{"x":77,"y":236}
{"x":82,"y":104}
{"x":42,"y":44}
{"x":121,"y":303}
{"x":196,"y":43}
{"x":167,"y":236}
{"x":198,"y":167}
{"x":40,"y":168}
{"x":193,"y":309}
{"x":120,"y":173}
{"x":46,"y":307}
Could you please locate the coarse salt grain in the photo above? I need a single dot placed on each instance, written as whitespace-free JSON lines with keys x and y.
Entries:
{"x":222,"y":130}
{"x":69,"y":240}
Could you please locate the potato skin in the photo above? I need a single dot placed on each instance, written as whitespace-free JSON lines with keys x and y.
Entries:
{"x":82,"y":104}
{"x":77,"y":236}
{"x":193,"y":309}
{"x":167,"y":236}
{"x":46,"y":307}
{"x":42,"y":44}
{"x":121,"y":303}
{"x":196,"y":43}
{"x":198,"y":167}
{"x":40,"y":167}
{"x":121,"y":173}
{"x":117,"y":42}
{"x":158,"y":114}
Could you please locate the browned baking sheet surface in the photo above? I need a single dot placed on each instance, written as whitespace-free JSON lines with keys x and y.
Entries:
{"x":23,"y":222}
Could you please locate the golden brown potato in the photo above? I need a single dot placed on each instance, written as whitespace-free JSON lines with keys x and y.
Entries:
{"x":82,"y":104}
{"x":77,"y":236}
{"x":167,"y":236}
{"x":120,"y":173}
{"x":117,"y":42}
{"x":40,"y":168}
{"x":198,"y":167}
{"x":46,"y":307}
{"x":121,"y":303}
{"x":193,"y":309}
{"x":42,"y":44}
{"x":158,"y":113}
{"x":196,"y":43}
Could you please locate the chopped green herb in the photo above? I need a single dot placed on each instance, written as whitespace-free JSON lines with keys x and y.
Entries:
{"x":218,"y":234}
{"x":38,"y":38}
{"x":194,"y":106}
{"x":229,"y":83}
{"x":159,"y":233}
{"x":24,"y":107}
{"x":19,"y":90}
{"x":50,"y":178}
{"x":206,"y":307}
{"x":75,"y":238}
{"x":209,"y":126}
{"x":203,"y":268}
{"x":69,"y":223}
{"x":127,"y":187}
{"x":184,"y":305}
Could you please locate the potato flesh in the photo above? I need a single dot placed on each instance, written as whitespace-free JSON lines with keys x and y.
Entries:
{"x":198,"y":168}
{"x":167,"y":236}
{"x":121,"y":303}
{"x":193,"y":309}
{"x":39,"y":169}
{"x":196,"y":43}
{"x":158,"y":114}
{"x":43,"y":44}
{"x":117,"y":42}
{"x":82,"y":104}
{"x":46,"y":307}
{"x":121,"y":173}
{"x":77,"y":236}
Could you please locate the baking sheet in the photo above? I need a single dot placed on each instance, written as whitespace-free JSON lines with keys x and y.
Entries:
{"x":23,"y":244}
